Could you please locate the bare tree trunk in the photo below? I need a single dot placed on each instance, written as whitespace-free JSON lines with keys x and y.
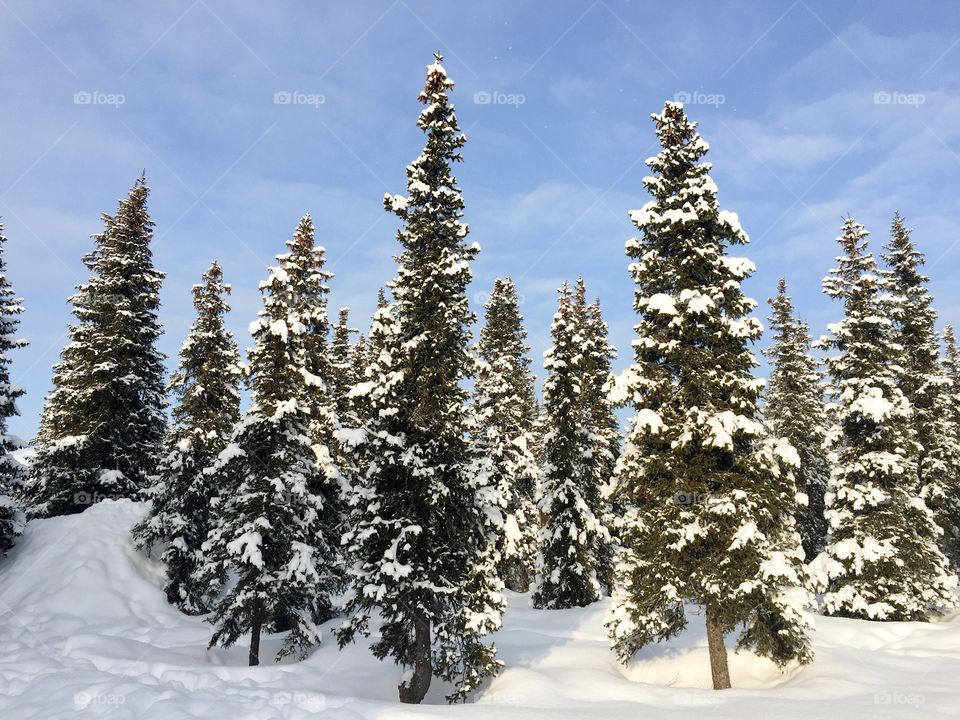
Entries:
{"x":255,"y":627}
{"x":415,"y":689}
{"x":718,"y":654}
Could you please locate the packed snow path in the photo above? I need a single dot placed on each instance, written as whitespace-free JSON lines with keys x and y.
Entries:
{"x":85,"y":631}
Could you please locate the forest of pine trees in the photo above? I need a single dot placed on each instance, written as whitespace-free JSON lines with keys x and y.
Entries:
{"x":398,"y":480}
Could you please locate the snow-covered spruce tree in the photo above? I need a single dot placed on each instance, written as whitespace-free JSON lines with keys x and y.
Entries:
{"x":949,"y":413}
{"x":373,"y":342}
{"x":267,"y":530}
{"x":422,"y":526}
{"x":308,"y":291}
{"x":206,"y":387}
{"x":881,"y":561}
{"x":506,"y":413}
{"x":923,"y":381}
{"x":573,"y":531}
{"x":342,"y":368}
{"x":951,"y":369}
{"x":104,"y":422}
{"x":359,"y":360}
{"x":12,"y":473}
{"x":708,"y":498}
{"x":596,"y":371}
{"x":794,"y":410}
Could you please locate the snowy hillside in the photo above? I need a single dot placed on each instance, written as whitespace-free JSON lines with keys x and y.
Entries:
{"x":87,"y":632}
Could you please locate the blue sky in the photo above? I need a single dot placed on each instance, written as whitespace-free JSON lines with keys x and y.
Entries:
{"x":812,"y":109}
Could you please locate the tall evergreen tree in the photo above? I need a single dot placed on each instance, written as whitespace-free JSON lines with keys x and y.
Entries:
{"x":207,"y":390}
{"x":359,"y":360}
{"x":12,"y":473}
{"x":373,"y":342}
{"x":923,"y":381}
{"x":949,"y":412}
{"x":794,"y":410}
{"x":951,"y":369}
{"x":708,"y":498}
{"x":104,"y":422}
{"x":267,"y":531}
{"x":421,"y":528}
{"x":507,"y":413}
{"x":308,"y":290}
{"x":342,"y":367}
{"x":881,"y":561}
{"x":604,"y":428}
{"x":572,"y":533}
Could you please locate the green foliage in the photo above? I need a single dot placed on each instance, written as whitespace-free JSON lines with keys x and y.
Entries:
{"x":881,"y":561}
{"x":794,"y":411}
{"x":12,"y":473}
{"x":103,"y":424}
{"x":206,"y":388}
{"x":270,"y":529}
{"x":573,"y":540}
{"x":708,"y":497}
{"x":506,"y":416}
{"x":422,"y":534}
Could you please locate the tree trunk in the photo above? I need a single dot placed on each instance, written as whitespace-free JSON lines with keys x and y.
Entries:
{"x":255,"y":627}
{"x":718,"y":654}
{"x":415,"y":689}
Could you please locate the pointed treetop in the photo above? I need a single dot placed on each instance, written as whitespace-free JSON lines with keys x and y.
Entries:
{"x":304,"y":233}
{"x":214,"y":272}
{"x":854,"y":237}
{"x":437,"y":81}
{"x":903,"y":257}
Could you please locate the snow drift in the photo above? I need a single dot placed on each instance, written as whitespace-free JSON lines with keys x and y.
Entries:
{"x":85,"y":631}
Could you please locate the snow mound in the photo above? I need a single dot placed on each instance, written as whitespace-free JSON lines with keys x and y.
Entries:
{"x":86,"y":632}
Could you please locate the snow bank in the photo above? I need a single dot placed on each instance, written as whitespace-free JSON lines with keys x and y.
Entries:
{"x":86,"y":632}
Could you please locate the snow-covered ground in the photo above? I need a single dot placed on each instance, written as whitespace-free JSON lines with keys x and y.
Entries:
{"x":85,"y":631}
